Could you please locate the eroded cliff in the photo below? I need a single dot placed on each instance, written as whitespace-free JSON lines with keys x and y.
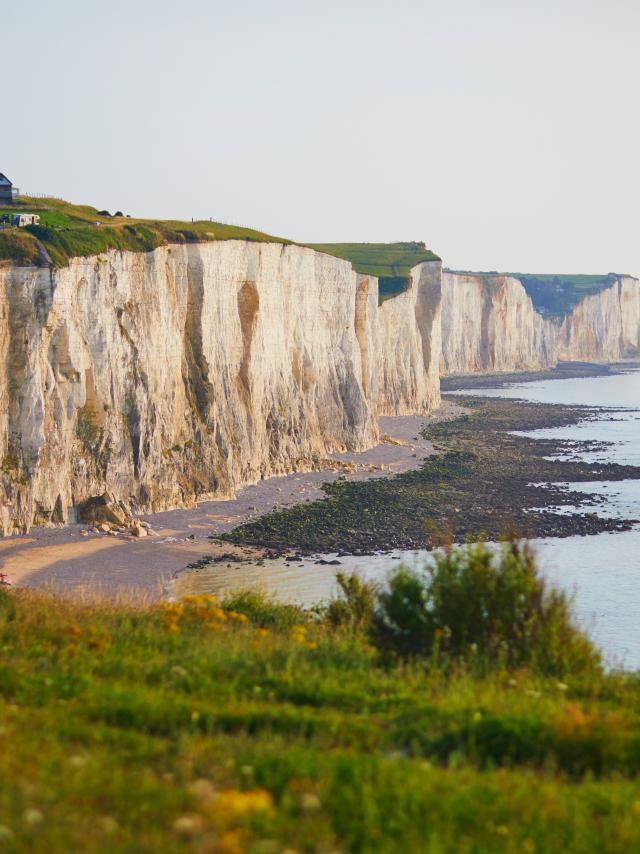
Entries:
{"x":604,"y":327}
{"x":187,"y":371}
{"x":489,"y":325}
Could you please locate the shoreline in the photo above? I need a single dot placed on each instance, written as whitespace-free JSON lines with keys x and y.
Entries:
{"x":486,"y":482}
{"x":69,"y":559}
{"x":562,"y":371}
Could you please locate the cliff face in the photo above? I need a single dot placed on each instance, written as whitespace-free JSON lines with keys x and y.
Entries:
{"x":604,"y":327}
{"x":409,"y":345}
{"x":190,"y":370}
{"x":489,"y":325}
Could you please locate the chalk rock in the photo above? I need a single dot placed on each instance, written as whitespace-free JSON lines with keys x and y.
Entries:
{"x":183,"y":373}
{"x":489,"y":325}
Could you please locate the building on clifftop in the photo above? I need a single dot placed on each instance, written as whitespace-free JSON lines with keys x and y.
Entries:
{"x":7,"y":191}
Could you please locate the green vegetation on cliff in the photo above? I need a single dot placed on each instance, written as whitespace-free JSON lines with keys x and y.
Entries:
{"x":556,"y":295}
{"x":391,"y":263}
{"x":253,"y":727}
{"x":67,"y":231}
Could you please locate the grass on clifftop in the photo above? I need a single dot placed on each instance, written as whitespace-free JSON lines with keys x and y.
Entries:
{"x":261,"y":728}
{"x":68,"y":231}
{"x":390,"y":262}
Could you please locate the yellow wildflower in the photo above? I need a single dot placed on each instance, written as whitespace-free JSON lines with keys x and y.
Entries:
{"x":200,"y":599}
{"x":173,"y":608}
{"x":232,"y":842}
{"x":234,"y":804}
{"x":237,"y":617}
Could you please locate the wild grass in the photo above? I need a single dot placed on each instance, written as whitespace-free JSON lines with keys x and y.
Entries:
{"x":249,"y":726}
{"x":18,"y":247}
{"x":68,"y":231}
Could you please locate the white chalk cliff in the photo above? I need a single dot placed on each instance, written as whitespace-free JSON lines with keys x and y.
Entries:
{"x":182,"y":373}
{"x":490,"y":325}
{"x":604,"y":327}
{"x":190,"y":370}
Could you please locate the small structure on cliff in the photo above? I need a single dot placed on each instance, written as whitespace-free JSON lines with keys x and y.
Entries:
{"x":7,"y":191}
{"x":21,"y":220}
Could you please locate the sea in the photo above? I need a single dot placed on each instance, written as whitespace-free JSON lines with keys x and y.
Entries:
{"x":601,"y":572}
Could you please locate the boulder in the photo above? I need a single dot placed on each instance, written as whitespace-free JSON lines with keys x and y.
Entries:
{"x":104,"y":508}
{"x":137,"y":529}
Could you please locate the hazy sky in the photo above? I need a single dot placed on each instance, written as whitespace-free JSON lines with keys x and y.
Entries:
{"x":504,"y":133}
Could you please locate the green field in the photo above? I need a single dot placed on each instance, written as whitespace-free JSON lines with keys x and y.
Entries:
{"x":262,"y":728}
{"x":390,"y":262}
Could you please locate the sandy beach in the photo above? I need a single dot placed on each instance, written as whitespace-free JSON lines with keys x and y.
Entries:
{"x":70,"y":559}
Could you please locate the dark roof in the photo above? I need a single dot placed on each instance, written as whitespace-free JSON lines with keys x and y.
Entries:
{"x":4,"y":179}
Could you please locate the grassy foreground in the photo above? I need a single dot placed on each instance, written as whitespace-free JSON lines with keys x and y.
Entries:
{"x":261,"y":728}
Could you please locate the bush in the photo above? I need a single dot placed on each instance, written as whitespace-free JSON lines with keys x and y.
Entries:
{"x":355,"y":608}
{"x":484,"y":604}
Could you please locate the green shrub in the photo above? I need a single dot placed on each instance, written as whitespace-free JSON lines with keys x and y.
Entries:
{"x":355,"y":607}
{"x":488,"y":605}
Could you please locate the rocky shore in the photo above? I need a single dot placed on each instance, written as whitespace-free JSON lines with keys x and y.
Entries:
{"x":564,"y":370}
{"x":104,"y":555}
{"x":484,"y":482}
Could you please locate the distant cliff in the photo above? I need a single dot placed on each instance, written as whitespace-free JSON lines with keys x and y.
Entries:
{"x":186,"y":371}
{"x":490,"y":325}
{"x":604,"y":327}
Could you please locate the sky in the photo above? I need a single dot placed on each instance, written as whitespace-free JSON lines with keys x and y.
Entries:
{"x":503,"y":133}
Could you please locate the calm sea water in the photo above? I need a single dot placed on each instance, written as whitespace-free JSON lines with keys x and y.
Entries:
{"x":602,"y":571}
